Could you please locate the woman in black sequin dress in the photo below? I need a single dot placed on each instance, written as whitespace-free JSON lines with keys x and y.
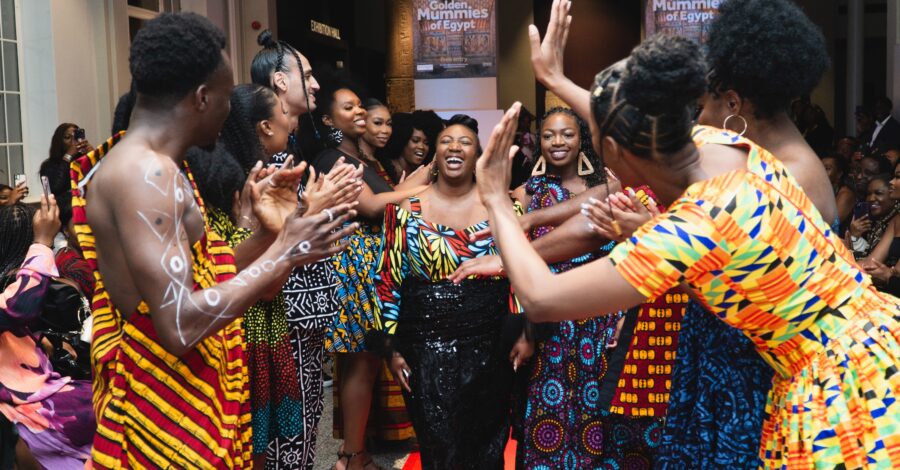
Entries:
{"x":445,"y":338}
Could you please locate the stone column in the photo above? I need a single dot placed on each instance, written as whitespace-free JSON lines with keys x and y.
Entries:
{"x":401,"y":96}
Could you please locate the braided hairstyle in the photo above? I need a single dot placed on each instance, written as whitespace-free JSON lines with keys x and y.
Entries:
{"x":16,"y":235}
{"x":250,"y":104}
{"x":645,"y":102}
{"x":584,"y":133}
{"x":767,"y":51}
{"x":271,"y":59}
{"x":218,"y":176}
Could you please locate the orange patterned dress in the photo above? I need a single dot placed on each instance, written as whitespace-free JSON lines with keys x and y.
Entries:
{"x":762,"y":259}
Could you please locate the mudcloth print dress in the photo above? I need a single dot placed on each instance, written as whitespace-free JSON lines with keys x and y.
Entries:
{"x":156,"y":410}
{"x":310,"y":297}
{"x":762,"y":259}
{"x":275,"y":399}
{"x":562,"y":401}
{"x":450,"y":336}
{"x":355,"y":268}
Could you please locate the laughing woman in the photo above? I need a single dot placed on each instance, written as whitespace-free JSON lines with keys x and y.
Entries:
{"x":744,"y":237}
{"x":407,"y":148}
{"x":445,"y":338}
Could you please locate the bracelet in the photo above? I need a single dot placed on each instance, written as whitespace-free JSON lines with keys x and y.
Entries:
{"x":501,"y":265}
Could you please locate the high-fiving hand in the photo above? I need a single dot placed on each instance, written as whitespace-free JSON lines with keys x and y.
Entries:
{"x":493,"y":169}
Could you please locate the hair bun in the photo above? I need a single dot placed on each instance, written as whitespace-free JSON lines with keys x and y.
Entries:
{"x":266,"y":40}
{"x":664,"y":75}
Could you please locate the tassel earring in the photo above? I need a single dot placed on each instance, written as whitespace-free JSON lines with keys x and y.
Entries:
{"x":540,"y":167}
{"x":584,"y":165}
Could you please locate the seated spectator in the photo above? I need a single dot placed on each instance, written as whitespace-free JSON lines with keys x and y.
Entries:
{"x":10,"y":196}
{"x":867,"y":169}
{"x":882,"y":262}
{"x":844,"y":195}
{"x":52,"y":413}
{"x":846,"y":146}
{"x":892,"y":155}
{"x":869,"y":227}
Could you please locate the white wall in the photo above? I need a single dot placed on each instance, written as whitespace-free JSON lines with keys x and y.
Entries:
{"x":81,"y":56}
{"x":39,"y":106}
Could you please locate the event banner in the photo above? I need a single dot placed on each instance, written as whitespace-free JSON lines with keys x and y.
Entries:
{"x":454,"y":39}
{"x":686,"y":18}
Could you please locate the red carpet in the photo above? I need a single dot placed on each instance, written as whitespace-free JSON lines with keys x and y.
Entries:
{"x":509,"y":457}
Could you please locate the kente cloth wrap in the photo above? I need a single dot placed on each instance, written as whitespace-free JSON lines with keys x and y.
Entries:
{"x":759,"y":255}
{"x":460,"y":375}
{"x":156,"y":410}
{"x":275,"y":398}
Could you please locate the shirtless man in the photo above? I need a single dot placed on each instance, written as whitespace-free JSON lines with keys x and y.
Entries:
{"x":170,"y":387}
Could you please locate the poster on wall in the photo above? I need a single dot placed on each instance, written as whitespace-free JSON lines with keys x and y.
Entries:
{"x":454,"y":38}
{"x":686,"y":18}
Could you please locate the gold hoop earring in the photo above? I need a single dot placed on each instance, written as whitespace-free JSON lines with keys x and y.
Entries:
{"x":584,"y":165}
{"x":540,"y":167}
{"x":725,"y":123}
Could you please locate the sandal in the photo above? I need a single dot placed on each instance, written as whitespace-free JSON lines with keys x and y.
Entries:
{"x":350,"y":455}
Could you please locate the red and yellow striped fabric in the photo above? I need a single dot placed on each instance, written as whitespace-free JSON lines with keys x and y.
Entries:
{"x":156,"y":410}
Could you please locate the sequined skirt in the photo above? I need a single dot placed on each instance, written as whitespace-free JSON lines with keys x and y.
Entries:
{"x":461,"y":378}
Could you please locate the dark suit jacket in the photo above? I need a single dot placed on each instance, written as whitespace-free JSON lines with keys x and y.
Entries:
{"x":888,"y":138}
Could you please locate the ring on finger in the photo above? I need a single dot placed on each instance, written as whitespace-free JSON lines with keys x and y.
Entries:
{"x":329,"y":214}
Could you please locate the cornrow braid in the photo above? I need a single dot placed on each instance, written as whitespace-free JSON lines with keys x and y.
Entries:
{"x":16,"y":235}
{"x":271,"y":59}
{"x":644,"y":102}
{"x":598,"y":177}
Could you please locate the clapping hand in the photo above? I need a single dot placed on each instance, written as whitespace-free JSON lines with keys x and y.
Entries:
{"x":273,"y":193}
{"x":619,"y":216}
{"x":341,"y":185}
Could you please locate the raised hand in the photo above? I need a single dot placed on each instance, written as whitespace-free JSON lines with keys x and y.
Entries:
{"x":547,"y":55}
{"x":46,"y":222}
{"x":273,"y":193}
{"x":493,"y":169}
{"x":309,"y":239}
{"x":419,"y":177}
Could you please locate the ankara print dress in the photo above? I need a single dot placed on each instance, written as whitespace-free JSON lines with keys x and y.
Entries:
{"x":761,"y":258}
{"x":275,"y":400}
{"x":562,"y":402}
{"x":450,"y":336}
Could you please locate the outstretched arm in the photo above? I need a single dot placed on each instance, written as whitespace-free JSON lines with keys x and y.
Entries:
{"x":547,"y":59}
{"x":155,"y":221}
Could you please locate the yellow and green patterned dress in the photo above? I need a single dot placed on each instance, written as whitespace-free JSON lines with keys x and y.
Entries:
{"x":762,"y":259}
